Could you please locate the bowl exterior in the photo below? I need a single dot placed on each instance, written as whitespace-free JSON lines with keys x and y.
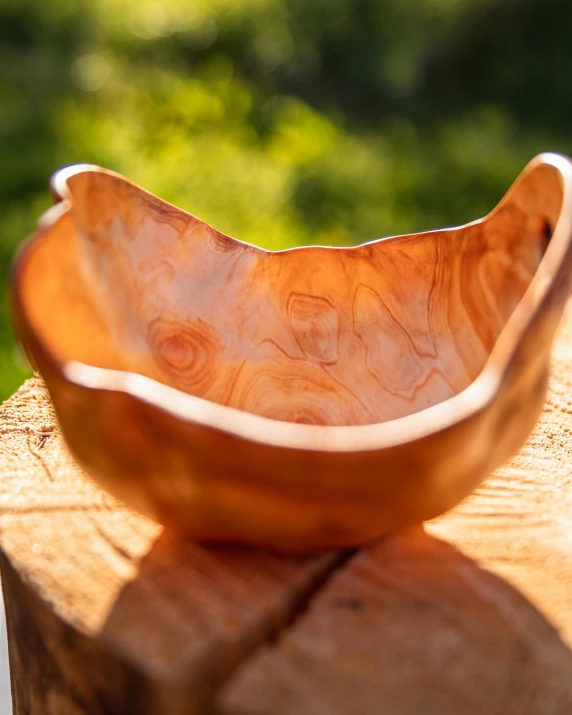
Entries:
{"x":215,"y":486}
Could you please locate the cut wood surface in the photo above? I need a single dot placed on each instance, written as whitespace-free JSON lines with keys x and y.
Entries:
{"x":107,"y":591}
{"x":472,"y":615}
{"x":107,"y":613}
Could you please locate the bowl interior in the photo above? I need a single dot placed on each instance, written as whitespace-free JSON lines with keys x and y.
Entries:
{"x":313,"y":335}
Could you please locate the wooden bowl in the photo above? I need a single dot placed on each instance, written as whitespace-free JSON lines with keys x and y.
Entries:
{"x":301,"y":399}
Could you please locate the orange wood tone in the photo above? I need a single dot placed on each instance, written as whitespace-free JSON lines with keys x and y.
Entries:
{"x":306,"y":398}
{"x":108,"y":613}
{"x":471,"y":615}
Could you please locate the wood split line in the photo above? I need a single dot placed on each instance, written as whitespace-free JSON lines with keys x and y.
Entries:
{"x":39,"y":457}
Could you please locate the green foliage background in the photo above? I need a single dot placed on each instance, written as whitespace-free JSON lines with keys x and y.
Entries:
{"x":281,"y":122}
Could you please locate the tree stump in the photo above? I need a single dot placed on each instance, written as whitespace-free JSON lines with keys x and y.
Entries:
{"x":107,"y":613}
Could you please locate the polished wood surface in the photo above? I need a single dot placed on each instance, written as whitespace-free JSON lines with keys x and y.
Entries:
{"x":314,"y":335}
{"x":109,"y":613}
{"x":471,"y":615}
{"x":329,"y":358}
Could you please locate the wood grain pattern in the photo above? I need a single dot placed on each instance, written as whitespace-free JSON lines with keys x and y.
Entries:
{"x":365,"y":334}
{"x":108,"y":614}
{"x":472,"y":614}
{"x":317,"y":392}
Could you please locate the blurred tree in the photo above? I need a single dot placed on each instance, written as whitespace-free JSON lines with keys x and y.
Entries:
{"x":281,"y":122}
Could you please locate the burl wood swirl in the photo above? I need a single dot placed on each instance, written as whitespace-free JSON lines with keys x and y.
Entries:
{"x":315,"y":335}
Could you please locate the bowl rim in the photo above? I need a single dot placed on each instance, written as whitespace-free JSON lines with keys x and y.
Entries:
{"x":476,"y":397}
